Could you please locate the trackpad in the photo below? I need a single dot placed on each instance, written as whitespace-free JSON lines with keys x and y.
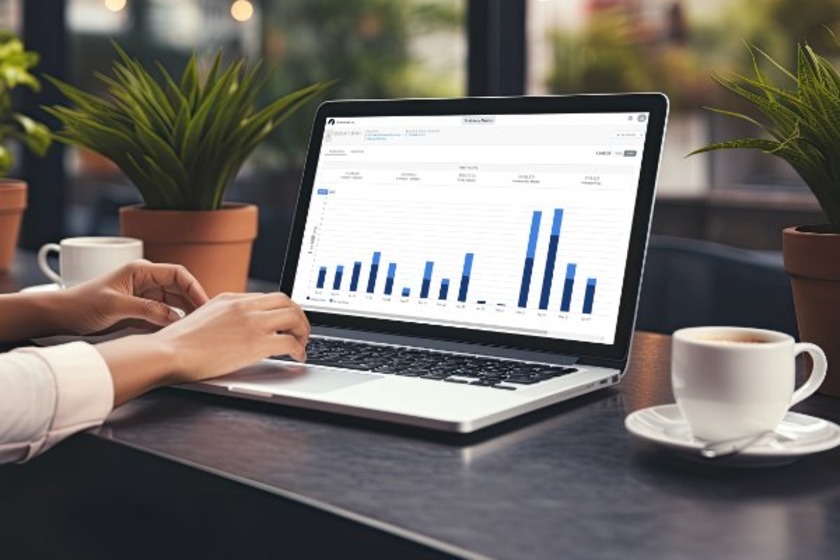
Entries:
{"x":273,"y":376}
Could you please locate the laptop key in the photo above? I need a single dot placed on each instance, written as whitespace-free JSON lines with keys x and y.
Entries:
{"x":483,"y":383}
{"x":430,"y":364}
{"x":434,"y":377}
{"x":522,"y":380}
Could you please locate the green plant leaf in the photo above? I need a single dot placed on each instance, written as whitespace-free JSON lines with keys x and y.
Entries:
{"x":34,"y":135}
{"x":6,"y":160}
{"x":15,"y":65}
{"x":803,"y":123}
{"x":180,"y":142}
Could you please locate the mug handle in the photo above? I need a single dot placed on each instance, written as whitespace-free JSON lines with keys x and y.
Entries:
{"x":817,"y":372}
{"x":44,"y":265}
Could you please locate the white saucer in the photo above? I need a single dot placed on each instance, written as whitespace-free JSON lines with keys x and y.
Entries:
{"x":53,"y":287}
{"x":797,"y":435}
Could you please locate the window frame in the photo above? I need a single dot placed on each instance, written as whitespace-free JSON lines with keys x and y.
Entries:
{"x":496,"y":65}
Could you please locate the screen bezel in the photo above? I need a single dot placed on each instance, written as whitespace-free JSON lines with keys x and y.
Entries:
{"x":655,"y":104}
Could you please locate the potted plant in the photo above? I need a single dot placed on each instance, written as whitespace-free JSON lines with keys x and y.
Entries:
{"x":15,"y":63}
{"x":181,"y":143}
{"x":800,"y":115}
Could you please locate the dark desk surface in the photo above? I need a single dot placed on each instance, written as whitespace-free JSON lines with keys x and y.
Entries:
{"x":565,"y":482}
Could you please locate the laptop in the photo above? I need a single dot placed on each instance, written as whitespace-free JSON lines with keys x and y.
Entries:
{"x":465,"y":261}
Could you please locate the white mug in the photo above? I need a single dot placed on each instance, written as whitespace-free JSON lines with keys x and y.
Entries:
{"x":733,"y":382}
{"x":84,"y":258}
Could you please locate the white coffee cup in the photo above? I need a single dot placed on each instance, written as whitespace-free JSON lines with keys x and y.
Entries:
{"x":84,"y":258}
{"x":732,"y":382}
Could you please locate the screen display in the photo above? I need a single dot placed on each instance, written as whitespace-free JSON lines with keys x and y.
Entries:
{"x":503,"y":223}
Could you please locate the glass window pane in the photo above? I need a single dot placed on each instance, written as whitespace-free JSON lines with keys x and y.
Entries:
{"x":10,"y":15}
{"x":673,"y":46}
{"x":373,"y":48}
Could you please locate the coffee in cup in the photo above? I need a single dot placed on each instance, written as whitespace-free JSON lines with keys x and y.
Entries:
{"x":84,"y":258}
{"x":733,"y":382}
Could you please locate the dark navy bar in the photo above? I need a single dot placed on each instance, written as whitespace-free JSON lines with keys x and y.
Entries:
{"x":339,"y":271}
{"x":566,"y":304}
{"x":529,"y":258}
{"x":589,"y":298}
{"x":389,"y":281}
{"x":322,"y":277}
{"x":406,"y":292}
{"x":548,"y":276}
{"x":354,"y":279}
{"x":465,"y":277}
{"x":374,"y":268}
{"x":444,"y":288}
{"x":427,"y":279}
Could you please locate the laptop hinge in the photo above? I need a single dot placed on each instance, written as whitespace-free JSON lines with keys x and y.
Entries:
{"x":446,"y":345}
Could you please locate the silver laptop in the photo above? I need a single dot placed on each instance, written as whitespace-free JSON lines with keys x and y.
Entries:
{"x":465,"y":261}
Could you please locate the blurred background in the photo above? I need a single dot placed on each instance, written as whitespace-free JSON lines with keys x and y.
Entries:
{"x":436,"y":48}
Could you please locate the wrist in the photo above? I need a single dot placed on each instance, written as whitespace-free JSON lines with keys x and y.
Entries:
{"x":62,"y":307}
{"x":139,"y":363}
{"x":30,"y":315}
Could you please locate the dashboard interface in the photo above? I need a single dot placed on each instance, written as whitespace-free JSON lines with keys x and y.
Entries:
{"x":508,"y":223}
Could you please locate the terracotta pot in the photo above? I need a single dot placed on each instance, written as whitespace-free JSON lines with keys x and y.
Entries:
{"x":812,"y":260}
{"x":12,"y":205}
{"x":214,"y":245}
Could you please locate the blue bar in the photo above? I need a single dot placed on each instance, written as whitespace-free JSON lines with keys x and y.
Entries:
{"x":322,"y":277}
{"x":444,"y":288}
{"x":529,"y":258}
{"x":427,"y":279}
{"x":589,"y":298}
{"x":552,"y":254}
{"x":389,"y":281}
{"x":354,"y":279}
{"x":339,"y":270}
{"x":566,"y":304}
{"x":465,"y":277}
{"x":406,"y":292}
{"x":374,"y":268}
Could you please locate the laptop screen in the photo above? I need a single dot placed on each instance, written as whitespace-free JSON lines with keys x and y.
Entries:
{"x":504,"y":223}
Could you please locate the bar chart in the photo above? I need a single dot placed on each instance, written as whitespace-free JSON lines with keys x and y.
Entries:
{"x":547,"y":262}
{"x":432,"y":276}
{"x":387,"y":288}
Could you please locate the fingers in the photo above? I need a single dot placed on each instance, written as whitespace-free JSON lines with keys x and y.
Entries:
{"x":272,"y":300}
{"x":154,"y":312}
{"x":284,"y":315}
{"x":291,"y":321}
{"x":168,"y":282}
{"x":276,"y":312}
{"x":287,"y":345}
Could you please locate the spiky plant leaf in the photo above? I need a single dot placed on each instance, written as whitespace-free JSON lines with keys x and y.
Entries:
{"x":181,"y":142}
{"x":800,"y":119}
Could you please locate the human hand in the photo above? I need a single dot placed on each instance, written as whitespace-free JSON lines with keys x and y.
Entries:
{"x":232,"y":331}
{"x":140,"y":290}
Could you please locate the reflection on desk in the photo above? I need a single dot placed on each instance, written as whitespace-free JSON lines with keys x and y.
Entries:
{"x":564,"y":482}
{"x":557,"y":481}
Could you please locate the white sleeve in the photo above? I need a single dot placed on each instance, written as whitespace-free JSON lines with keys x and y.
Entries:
{"x":47,"y":394}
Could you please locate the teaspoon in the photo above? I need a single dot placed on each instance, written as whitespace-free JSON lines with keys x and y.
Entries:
{"x":732,"y":446}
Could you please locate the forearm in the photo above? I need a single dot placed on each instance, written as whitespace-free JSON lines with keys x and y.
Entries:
{"x":138,"y":363}
{"x":46,"y":394}
{"x":25,"y":316}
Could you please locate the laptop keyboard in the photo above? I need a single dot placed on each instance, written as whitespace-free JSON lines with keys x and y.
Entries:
{"x":429,"y":364}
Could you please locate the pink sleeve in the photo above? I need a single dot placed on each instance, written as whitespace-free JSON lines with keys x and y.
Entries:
{"x":47,"y":394}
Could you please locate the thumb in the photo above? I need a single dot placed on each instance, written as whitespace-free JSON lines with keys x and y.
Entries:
{"x":149,"y":310}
